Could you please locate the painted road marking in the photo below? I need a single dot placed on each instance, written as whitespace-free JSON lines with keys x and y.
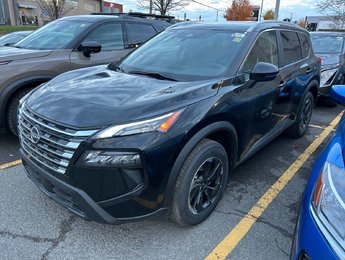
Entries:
{"x":227,"y":245}
{"x":317,"y":126}
{"x":10,"y":164}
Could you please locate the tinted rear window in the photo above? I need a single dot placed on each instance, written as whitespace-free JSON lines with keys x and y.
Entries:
{"x":138,"y":33}
{"x":291,"y":47}
{"x":305,"y":44}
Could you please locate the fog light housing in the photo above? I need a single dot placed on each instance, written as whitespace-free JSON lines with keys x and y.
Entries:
{"x":126,"y":160}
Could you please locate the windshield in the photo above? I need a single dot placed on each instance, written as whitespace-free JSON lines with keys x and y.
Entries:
{"x":186,"y":55}
{"x":327,"y":44}
{"x":11,"y":38}
{"x":55,"y":35}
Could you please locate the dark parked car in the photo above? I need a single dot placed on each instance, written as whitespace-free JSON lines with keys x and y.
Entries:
{"x":320,"y":232}
{"x":66,"y":44}
{"x":330,"y":47}
{"x":12,"y":38}
{"x":158,"y":132}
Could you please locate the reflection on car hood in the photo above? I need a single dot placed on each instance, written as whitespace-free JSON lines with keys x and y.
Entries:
{"x":12,"y":53}
{"x":96,"y":96}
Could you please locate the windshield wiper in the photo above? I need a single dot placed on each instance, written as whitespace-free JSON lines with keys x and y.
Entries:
{"x":152,"y":74}
{"x":115,"y":67}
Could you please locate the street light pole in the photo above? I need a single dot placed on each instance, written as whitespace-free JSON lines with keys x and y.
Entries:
{"x":262,"y":5}
{"x":151,"y":5}
{"x":276,"y":11}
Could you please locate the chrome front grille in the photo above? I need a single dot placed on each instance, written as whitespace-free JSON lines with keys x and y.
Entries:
{"x":50,"y":145}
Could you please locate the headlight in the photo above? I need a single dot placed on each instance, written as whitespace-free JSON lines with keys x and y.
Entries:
{"x":127,"y":160}
{"x":326,"y":75}
{"x":5,"y":62}
{"x":161,"y":124}
{"x":329,"y":206}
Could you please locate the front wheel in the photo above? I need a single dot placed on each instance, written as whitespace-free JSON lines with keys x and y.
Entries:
{"x":299,"y":128}
{"x":12,"y":110}
{"x":200,"y":184}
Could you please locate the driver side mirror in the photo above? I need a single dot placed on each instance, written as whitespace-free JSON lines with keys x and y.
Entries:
{"x":9,"y":44}
{"x":133,"y":45}
{"x":264,"y":71}
{"x":90,"y":47}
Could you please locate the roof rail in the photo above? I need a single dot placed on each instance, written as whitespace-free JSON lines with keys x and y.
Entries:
{"x":141,"y":15}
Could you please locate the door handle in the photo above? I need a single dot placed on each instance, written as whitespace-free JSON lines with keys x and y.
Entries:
{"x":282,"y":84}
{"x":309,"y":70}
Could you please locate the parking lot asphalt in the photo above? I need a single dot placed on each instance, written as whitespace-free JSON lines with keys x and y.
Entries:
{"x":34,"y":227}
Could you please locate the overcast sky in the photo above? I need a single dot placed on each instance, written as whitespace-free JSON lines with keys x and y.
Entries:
{"x":296,"y":8}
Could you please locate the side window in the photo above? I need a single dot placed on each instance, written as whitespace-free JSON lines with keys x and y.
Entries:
{"x":138,"y":33}
{"x":305,"y":45}
{"x":110,"y":36}
{"x":264,"y":50}
{"x":291,"y":47}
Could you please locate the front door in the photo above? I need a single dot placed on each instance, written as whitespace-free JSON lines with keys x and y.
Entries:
{"x":110,"y":37}
{"x":261,"y":106}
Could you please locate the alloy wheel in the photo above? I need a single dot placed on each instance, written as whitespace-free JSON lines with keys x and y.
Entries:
{"x":205,"y":186}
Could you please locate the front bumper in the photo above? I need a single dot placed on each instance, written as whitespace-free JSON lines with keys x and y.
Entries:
{"x":76,"y":200}
{"x":325,"y":89}
{"x":309,"y":241}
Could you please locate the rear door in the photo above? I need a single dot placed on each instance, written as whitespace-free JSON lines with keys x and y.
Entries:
{"x":111,"y":37}
{"x":138,"y":33}
{"x":295,"y":69}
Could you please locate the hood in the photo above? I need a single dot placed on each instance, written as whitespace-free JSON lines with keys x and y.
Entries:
{"x":330,"y":59}
{"x":11,"y":53}
{"x":95,"y":97}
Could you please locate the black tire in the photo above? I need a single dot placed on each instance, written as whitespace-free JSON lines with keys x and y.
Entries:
{"x":12,"y":110}
{"x":304,"y":115}
{"x":193,"y":191}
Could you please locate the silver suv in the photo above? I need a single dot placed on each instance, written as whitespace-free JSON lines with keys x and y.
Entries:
{"x":67,"y":44}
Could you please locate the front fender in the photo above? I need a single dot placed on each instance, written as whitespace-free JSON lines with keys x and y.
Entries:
{"x":189,"y":146}
{"x":9,"y":90}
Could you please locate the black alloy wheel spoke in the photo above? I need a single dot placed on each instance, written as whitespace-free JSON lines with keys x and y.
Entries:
{"x":205,"y":185}
{"x":212,"y":175}
{"x":198,"y":201}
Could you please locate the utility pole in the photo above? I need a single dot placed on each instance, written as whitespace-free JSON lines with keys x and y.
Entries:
{"x":276,"y":11}
{"x":217,"y":16}
{"x":151,"y":5}
{"x":262,"y":5}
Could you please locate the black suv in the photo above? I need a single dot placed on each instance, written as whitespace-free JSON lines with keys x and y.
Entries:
{"x":66,"y":44}
{"x":159,"y":131}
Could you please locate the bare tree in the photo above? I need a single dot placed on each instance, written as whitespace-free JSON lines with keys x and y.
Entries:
{"x":162,"y":6}
{"x":54,"y":9}
{"x":335,"y":9}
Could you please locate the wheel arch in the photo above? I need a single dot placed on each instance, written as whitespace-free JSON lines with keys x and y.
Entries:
{"x":221,"y":131}
{"x":313,"y":87}
{"x":16,"y":86}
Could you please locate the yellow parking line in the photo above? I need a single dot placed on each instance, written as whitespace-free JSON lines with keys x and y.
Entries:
{"x":225,"y":247}
{"x":317,"y":126}
{"x":10,"y":164}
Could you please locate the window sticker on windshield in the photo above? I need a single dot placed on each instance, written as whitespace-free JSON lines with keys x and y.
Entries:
{"x":339,"y":38}
{"x":237,"y":39}
{"x":238,"y":35}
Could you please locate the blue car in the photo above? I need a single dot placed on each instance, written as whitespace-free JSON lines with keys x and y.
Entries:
{"x":320,"y":231}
